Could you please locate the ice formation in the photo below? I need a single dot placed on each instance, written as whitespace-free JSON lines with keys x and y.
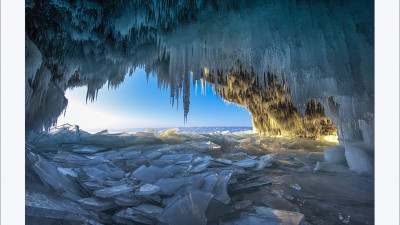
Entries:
{"x":324,"y":49}
{"x":117,"y":185}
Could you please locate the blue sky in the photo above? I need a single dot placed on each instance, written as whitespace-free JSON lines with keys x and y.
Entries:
{"x":139,"y":103}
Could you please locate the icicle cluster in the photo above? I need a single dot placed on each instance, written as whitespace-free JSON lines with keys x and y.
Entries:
{"x":325,"y":49}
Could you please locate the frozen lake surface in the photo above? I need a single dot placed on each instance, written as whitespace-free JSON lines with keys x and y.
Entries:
{"x":73,"y":177}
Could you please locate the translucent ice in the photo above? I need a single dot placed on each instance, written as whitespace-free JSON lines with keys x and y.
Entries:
{"x":246,"y":163}
{"x":39,"y":203}
{"x":210,"y":179}
{"x":206,"y":145}
{"x":335,"y":154}
{"x":170,"y":185}
{"x":360,"y":158}
{"x":178,"y":158}
{"x":130,"y":216}
{"x":113,"y":191}
{"x":189,"y":209}
{"x":148,"y":189}
{"x":97,"y":204}
{"x":221,"y":193}
{"x":88,"y":150}
{"x":151,"y":173}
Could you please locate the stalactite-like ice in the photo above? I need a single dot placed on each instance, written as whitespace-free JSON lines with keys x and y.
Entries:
{"x":325,"y":49}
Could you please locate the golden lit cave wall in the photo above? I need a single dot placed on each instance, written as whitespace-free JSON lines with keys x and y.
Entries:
{"x":270,"y":105}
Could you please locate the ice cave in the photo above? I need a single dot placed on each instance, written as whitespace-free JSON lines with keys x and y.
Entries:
{"x":304,"y":70}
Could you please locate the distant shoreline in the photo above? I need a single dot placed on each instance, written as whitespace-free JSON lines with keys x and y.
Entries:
{"x":205,"y":129}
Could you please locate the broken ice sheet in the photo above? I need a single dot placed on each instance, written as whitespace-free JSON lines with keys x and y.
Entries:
{"x":113,"y":191}
{"x":224,"y":161}
{"x":246,"y":163}
{"x":88,"y":150}
{"x":170,"y":185}
{"x":97,"y":204}
{"x":51,"y":176}
{"x":189,"y":209}
{"x":128,"y":199}
{"x":200,"y":167}
{"x":178,"y":158}
{"x":210,"y":179}
{"x":151,"y":173}
{"x":148,"y":210}
{"x":193,"y":184}
{"x":153,"y":155}
{"x":148,"y":189}
{"x":132,"y":155}
{"x":39,"y":203}
{"x":205,"y":145}
{"x":243,"y":204}
{"x":221,"y":193}
{"x":217,"y":209}
{"x":130,"y":216}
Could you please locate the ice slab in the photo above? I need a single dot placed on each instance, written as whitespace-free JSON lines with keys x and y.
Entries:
{"x":243,"y":204}
{"x":148,"y":189}
{"x":205,"y":145}
{"x":178,"y":158}
{"x":153,"y":155}
{"x":132,"y":155}
{"x":68,"y":171}
{"x":193,"y":184}
{"x":116,"y":173}
{"x":39,"y":203}
{"x":148,"y":210}
{"x":335,"y":154}
{"x":151,"y":173}
{"x":224,"y":161}
{"x":51,"y":176}
{"x":130,"y":216}
{"x":359,"y":158}
{"x":88,"y":150}
{"x":247,"y":187}
{"x":190,"y":209}
{"x":70,"y":159}
{"x":200,"y":167}
{"x":221,"y":193}
{"x":170,"y":185}
{"x":128,"y":199}
{"x":246,"y":163}
{"x":217,"y":209}
{"x":210,"y":179}
{"x":97,"y":204}
{"x":113,"y":191}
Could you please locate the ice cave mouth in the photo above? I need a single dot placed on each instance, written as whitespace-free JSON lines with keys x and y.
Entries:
{"x":324,"y":49}
{"x":304,"y":69}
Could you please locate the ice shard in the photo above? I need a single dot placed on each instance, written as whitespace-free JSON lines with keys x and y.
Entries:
{"x":189,"y":209}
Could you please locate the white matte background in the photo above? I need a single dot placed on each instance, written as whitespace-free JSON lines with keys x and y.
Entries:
{"x":386,"y":112}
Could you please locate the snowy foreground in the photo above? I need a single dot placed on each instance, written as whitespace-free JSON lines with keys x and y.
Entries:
{"x":73,"y":177}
